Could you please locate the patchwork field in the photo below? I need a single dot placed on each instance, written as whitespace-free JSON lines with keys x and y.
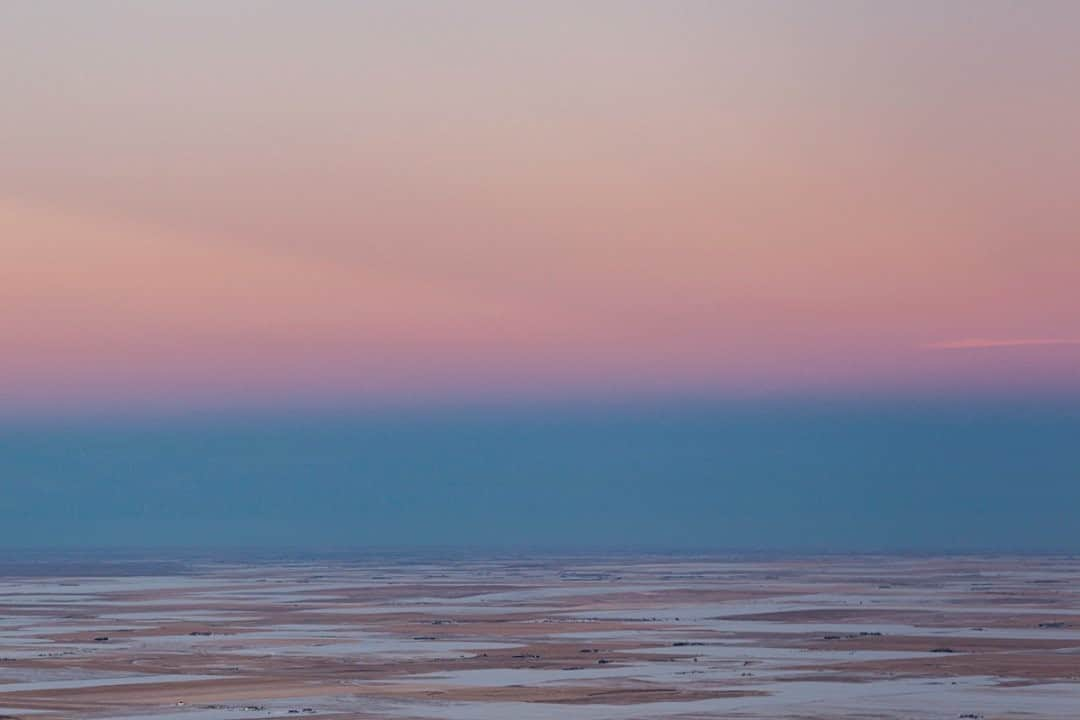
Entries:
{"x":597,"y":638}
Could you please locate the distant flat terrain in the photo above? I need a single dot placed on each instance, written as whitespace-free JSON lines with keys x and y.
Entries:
{"x":599,"y":638}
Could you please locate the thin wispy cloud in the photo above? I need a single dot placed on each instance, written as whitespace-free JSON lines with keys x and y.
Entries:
{"x":989,"y":343}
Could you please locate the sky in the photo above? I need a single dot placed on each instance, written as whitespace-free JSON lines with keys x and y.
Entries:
{"x":707,"y":477}
{"x":350,"y":211}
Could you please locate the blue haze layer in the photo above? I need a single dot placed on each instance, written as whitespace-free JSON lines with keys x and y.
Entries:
{"x":803,"y":477}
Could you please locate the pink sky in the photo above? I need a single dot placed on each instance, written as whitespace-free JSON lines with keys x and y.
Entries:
{"x":206,"y":202}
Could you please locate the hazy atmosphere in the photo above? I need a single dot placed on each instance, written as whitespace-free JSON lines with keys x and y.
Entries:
{"x":745,"y":275}
{"x":806,"y":477}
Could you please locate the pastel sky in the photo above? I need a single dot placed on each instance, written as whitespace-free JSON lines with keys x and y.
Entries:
{"x":212,"y":203}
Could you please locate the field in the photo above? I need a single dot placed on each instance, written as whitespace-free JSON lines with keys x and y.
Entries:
{"x":450,"y":637}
